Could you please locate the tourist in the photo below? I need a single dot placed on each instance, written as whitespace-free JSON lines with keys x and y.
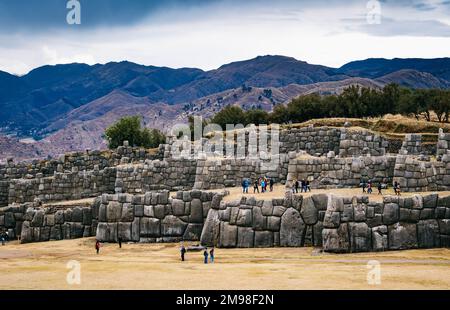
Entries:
{"x":295,"y":187}
{"x":205,"y":254}
{"x":7,"y":236}
{"x":120,"y":242}
{"x":369,"y":188}
{"x":395,"y":187}
{"x":2,"y":237}
{"x":255,"y":187}
{"x":363,"y":185}
{"x":380,"y":187}
{"x":271,"y":184}
{"x":182,"y":252}
{"x":211,"y":255}
{"x":245,"y":185}
{"x":97,"y":246}
{"x":308,"y":187}
{"x":398,"y":191}
{"x":304,"y":185}
{"x":263,"y":185}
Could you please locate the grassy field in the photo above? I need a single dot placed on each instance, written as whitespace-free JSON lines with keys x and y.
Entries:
{"x":157,"y":266}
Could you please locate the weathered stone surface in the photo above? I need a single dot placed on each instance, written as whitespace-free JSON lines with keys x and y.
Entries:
{"x":135,"y":229}
{"x":331,"y":219}
{"x":196,"y":211}
{"x":267,"y":208}
{"x":430,"y":201}
{"x":193,"y":232}
{"x":77,"y":214}
{"x":291,"y":230}
{"x":360,"y":235}
{"x":245,"y":237}
{"x":390,"y":213}
{"x":402,"y":236}
{"x":273,"y":223}
{"x":150,"y":227}
{"x":258,"y":220}
{"x":380,"y":238}
{"x":127,"y":212}
{"x":320,"y":201}
{"x":124,"y":231}
{"x":172,"y":226}
{"x":113,"y":211}
{"x":444,"y":226}
{"x":336,"y":239}
{"x":309,"y":212}
{"x":228,"y":235}
{"x":263,"y":239}
{"x":428,"y":234}
{"x":38,"y":218}
{"x":244,"y":217}
{"x":211,"y":229}
{"x":178,"y":207}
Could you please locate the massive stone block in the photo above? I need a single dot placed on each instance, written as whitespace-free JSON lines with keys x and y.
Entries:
{"x":245,"y":237}
{"x":263,"y":239}
{"x":428,"y":234}
{"x":291,"y":230}
{"x":391,"y":213}
{"x":172,"y":226}
{"x":150,"y":227}
{"x":228,"y":235}
{"x":402,"y":236}
{"x":360,"y":235}
{"x":336,"y":239}
{"x":309,"y":212}
{"x":211,"y":229}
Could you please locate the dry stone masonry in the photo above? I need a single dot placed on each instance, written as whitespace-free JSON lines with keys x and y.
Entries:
{"x":129,"y":193}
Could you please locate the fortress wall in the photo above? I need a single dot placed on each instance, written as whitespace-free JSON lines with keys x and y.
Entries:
{"x":221,"y":173}
{"x":340,"y":225}
{"x":313,"y":140}
{"x":443,"y":144}
{"x":361,"y":142}
{"x":325,"y":172}
{"x":35,"y":223}
{"x":154,"y":216}
{"x":414,"y":174}
{"x":168,"y":174}
{"x":412,"y":145}
{"x":63,"y":186}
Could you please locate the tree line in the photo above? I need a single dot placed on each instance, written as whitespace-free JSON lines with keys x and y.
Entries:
{"x":353,"y":102}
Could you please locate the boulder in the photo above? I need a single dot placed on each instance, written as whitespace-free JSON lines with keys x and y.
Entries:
{"x":127,"y":213}
{"x":320,"y":201}
{"x":291,"y":230}
{"x":177,"y":207}
{"x":273,"y":223}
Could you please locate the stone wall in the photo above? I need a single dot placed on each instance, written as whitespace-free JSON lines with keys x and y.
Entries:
{"x":398,"y":223}
{"x":33,"y":222}
{"x":339,"y":224}
{"x":443,"y":144}
{"x":414,"y":174}
{"x":63,"y":186}
{"x":335,"y":172}
{"x":313,"y":140}
{"x":154,"y":216}
{"x":220,"y":173}
{"x":361,"y":142}
{"x":168,"y":174}
{"x":412,"y":145}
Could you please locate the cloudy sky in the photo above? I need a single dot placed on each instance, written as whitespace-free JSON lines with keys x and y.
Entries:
{"x":209,"y":33}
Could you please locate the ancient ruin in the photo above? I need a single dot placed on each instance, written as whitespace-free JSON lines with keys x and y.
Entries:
{"x":139,"y":195}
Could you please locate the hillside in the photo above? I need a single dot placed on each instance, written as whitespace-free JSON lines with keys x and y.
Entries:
{"x":69,"y":106}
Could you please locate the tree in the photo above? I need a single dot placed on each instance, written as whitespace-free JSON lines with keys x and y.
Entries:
{"x":229,"y":115}
{"x":279,"y":115}
{"x":129,"y":129}
{"x":257,"y":117}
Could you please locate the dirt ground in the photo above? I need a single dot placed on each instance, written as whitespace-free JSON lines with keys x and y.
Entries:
{"x":279,"y":192}
{"x":157,"y":266}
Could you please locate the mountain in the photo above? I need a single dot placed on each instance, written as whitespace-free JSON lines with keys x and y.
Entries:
{"x":414,"y":79}
{"x":378,"y":67}
{"x":67,"y":107}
